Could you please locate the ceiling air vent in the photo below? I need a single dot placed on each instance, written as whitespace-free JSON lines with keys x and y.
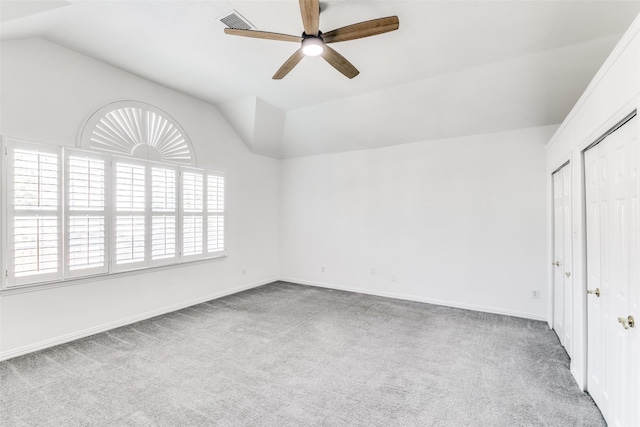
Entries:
{"x":236,"y":21}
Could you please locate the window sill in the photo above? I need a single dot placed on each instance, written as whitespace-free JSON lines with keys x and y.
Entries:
{"x":36,"y":287}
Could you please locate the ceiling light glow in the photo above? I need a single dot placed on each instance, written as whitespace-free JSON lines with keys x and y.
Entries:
{"x":312,"y":46}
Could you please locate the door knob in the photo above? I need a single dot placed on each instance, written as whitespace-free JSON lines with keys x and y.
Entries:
{"x":568,"y":274}
{"x":557,"y":263}
{"x":596,"y":292}
{"x":627,"y":322}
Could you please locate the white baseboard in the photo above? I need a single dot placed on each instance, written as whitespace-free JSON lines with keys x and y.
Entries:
{"x":126,"y":321}
{"x":407,"y":297}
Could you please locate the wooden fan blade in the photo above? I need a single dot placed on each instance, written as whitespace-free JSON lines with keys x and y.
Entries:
{"x":289,"y":64}
{"x":262,"y":35}
{"x":339,"y":62}
{"x":310,"y":11}
{"x":362,"y":29}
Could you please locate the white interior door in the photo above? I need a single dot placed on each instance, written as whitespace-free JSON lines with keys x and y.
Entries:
{"x":611,"y":172}
{"x":567,"y":283}
{"x":596,"y":280}
{"x":633,"y":373}
{"x":558,"y":254}
{"x":562,"y":298}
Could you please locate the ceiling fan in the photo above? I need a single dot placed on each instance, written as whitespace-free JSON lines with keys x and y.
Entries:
{"x":314,"y":42}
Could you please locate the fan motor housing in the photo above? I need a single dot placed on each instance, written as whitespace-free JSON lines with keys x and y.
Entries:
{"x":312,"y":45}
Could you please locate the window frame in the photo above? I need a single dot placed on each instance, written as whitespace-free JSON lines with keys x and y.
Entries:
{"x":175,"y":259}
{"x":220,"y":213}
{"x":63,"y":212}
{"x":199,"y":214}
{"x":133,"y":265}
{"x":69,"y":273}
{"x":11,"y":280}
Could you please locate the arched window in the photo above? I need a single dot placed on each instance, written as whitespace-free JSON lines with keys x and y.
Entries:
{"x":137,"y":129}
{"x":129,"y":197}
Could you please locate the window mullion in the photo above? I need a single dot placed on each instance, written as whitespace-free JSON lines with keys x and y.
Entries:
{"x":205,"y":214}
{"x":147,"y":206}
{"x":179,"y":215}
{"x":109,"y":213}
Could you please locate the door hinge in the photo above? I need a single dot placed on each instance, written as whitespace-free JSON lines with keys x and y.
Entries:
{"x":6,"y":274}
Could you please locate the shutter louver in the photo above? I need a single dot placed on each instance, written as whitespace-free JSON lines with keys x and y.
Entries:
{"x":163,"y":237}
{"x":130,"y":222}
{"x":192,"y":235}
{"x":163,"y":211}
{"x":130,"y":187}
{"x":192,"y":211}
{"x":86,"y":242}
{"x":86,"y":214}
{"x":34,"y":213}
{"x":35,"y":180}
{"x":215,"y":233}
{"x":215,"y":213}
{"x":130,"y":239}
{"x":36,"y":245}
{"x":140,"y":130}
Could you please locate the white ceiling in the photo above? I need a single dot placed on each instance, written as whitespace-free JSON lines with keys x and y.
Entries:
{"x":453,"y":68}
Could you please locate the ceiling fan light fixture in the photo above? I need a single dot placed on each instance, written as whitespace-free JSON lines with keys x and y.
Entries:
{"x":312,"y":46}
{"x":313,"y":40}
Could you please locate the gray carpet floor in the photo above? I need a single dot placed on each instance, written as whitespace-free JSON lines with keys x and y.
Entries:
{"x":291,"y":355}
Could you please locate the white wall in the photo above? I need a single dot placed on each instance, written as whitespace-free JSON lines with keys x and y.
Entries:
{"x":611,"y":95}
{"x":47,"y":92}
{"x":459,"y":222}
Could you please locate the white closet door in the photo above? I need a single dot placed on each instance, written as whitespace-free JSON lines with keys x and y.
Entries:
{"x":558,"y":251}
{"x":562,"y":280}
{"x":567,"y":283}
{"x":634,"y":273}
{"x":612,"y":246}
{"x":596,"y":279}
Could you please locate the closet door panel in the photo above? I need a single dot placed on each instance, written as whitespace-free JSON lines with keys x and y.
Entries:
{"x":596,"y":378}
{"x":567,"y":284}
{"x":613,"y":258}
{"x":558,"y":239}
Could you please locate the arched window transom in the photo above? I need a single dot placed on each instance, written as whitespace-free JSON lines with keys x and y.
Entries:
{"x":139,"y":130}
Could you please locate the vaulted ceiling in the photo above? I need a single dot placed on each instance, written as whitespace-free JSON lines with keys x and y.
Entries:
{"x":453,"y":68}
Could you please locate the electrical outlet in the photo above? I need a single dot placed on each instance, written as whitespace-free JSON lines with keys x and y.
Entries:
{"x":393,"y":277}
{"x":373,"y":270}
{"x":322,"y":268}
{"x":244,"y":271}
{"x":535,"y":294}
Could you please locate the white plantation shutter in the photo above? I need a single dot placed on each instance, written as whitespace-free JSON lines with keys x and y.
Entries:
{"x":192,"y":213}
{"x":72,"y":213}
{"x":34,"y":213}
{"x":86,"y":214}
{"x":164,"y":207}
{"x":130,"y":197}
{"x":215,"y":213}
